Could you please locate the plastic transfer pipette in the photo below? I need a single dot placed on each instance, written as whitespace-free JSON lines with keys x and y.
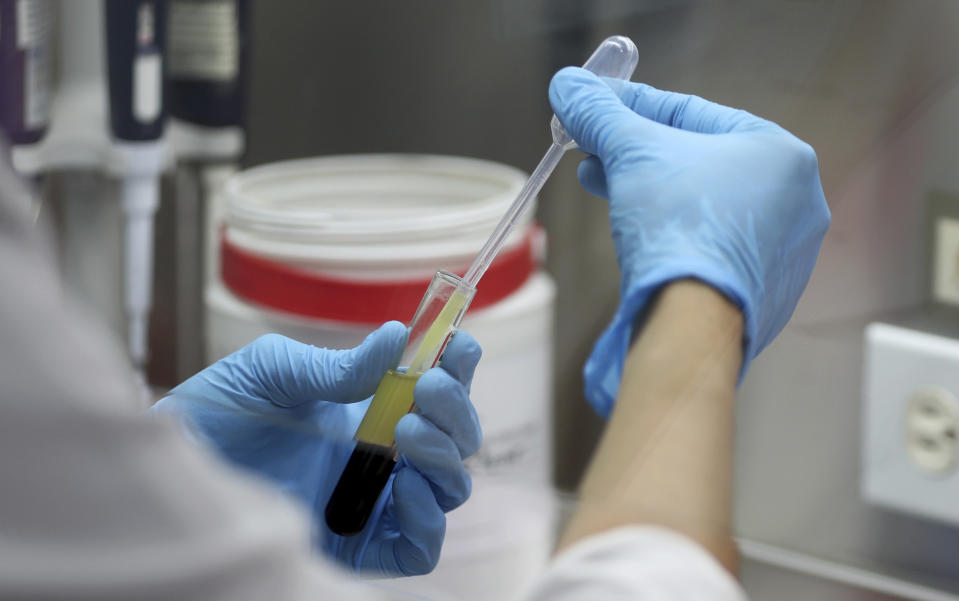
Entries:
{"x":436,"y":319}
{"x":616,"y":57}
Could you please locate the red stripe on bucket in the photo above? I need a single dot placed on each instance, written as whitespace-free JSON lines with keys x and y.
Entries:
{"x":279,"y":286}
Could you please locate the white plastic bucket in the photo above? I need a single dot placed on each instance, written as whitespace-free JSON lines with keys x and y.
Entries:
{"x":380,"y":219}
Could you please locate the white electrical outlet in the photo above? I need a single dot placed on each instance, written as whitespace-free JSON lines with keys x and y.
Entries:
{"x":945,"y":260}
{"x":931,"y":417}
{"x":910,"y":420}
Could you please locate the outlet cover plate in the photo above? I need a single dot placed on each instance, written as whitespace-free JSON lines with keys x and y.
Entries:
{"x":898,"y":364}
{"x":945,"y":261}
{"x":942,"y":247}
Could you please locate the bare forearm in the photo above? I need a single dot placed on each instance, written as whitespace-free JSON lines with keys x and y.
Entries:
{"x":665,"y":458}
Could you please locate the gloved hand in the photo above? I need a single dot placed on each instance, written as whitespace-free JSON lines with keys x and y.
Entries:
{"x":695,"y":190}
{"x":287,"y":411}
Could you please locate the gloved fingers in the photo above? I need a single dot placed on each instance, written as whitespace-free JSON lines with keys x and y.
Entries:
{"x":434,"y":455}
{"x":292,"y":373}
{"x":445,"y":403}
{"x":353,"y":374}
{"x":421,"y":523}
{"x":607,"y":116}
{"x":594,"y":115}
{"x":592,"y":176}
{"x":461,"y":356}
{"x":684,"y":111}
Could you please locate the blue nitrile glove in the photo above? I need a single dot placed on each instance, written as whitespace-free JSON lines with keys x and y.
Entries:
{"x":695,"y":190}
{"x":287,"y":411}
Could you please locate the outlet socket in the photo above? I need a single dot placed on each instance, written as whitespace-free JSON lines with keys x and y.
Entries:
{"x":910,"y":416}
{"x":931,"y":419}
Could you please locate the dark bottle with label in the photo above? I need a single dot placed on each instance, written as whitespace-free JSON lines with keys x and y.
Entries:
{"x":136,"y":39}
{"x":25,"y":55}
{"x":208,"y":58}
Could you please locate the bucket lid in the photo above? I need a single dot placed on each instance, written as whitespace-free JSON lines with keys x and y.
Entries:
{"x":370,"y":200}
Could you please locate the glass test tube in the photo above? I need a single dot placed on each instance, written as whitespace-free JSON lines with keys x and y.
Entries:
{"x":369,"y":467}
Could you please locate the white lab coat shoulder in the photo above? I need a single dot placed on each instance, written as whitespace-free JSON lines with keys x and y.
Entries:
{"x":101,"y":502}
{"x":636,"y":563}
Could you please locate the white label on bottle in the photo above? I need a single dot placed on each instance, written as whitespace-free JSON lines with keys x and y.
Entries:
{"x":204,"y":40}
{"x":147,"y":87}
{"x":36,"y":99}
{"x":33,"y":22}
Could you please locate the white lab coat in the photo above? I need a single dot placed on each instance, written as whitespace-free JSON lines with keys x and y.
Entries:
{"x":100,"y":502}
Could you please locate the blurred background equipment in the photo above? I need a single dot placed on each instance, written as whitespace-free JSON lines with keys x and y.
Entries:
{"x":136,"y":44}
{"x":108,"y":148}
{"x":873,"y":85}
